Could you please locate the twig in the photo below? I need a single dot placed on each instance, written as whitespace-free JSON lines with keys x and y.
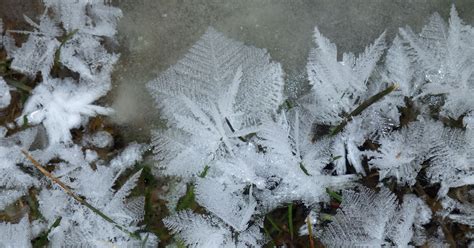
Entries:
{"x":233,"y":130}
{"x":77,"y":197}
{"x":310,"y":231}
{"x":373,"y":99}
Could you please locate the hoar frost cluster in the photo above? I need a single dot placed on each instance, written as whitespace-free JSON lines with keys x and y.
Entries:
{"x":247,"y":152}
{"x":69,"y":35}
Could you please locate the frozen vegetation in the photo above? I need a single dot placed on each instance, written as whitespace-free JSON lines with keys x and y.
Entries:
{"x":400,"y":112}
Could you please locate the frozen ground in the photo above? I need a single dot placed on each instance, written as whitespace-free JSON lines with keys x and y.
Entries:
{"x":154,"y":34}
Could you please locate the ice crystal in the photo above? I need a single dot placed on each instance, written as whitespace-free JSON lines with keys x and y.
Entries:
{"x":339,"y":85}
{"x":457,"y":211}
{"x":448,"y":151}
{"x":80,"y":225}
{"x":400,"y":154}
{"x":15,"y":235}
{"x":68,"y":35}
{"x":62,"y":105}
{"x":14,"y":181}
{"x":85,"y":55}
{"x":37,"y":53}
{"x":5,"y":96}
{"x":226,"y":201}
{"x":92,"y":17}
{"x":406,"y":226}
{"x":101,"y":139}
{"x":444,"y":54}
{"x":204,"y":231}
{"x":370,"y":219}
{"x":215,"y":97}
{"x":219,"y":91}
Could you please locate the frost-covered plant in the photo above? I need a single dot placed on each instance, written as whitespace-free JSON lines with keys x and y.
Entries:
{"x":447,"y":150}
{"x":80,"y":206}
{"x":81,"y":225}
{"x":219,"y":91}
{"x":442,"y":54}
{"x":14,"y":180}
{"x":221,"y":102}
{"x":206,"y":231}
{"x":461,"y":212}
{"x":255,"y":163}
{"x":37,"y":53}
{"x":370,"y":219}
{"x":61,"y":105}
{"x":232,"y":141}
{"x":78,"y":222}
{"x":16,"y":235}
{"x":339,"y":85}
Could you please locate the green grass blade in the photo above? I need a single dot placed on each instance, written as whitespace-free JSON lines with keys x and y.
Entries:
{"x":290,"y":219}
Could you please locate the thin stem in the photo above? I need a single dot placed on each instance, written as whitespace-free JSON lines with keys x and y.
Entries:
{"x":334,"y":195}
{"x":290,"y":219}
{"x":233,"y":130}
{"x":310,"y":231}
{"x":68,"y":36}
{"x":270,"y":236}
{"x":77,"y":197}
{"x":274,"y":224}
{"x":305,"y":171}
{"x":367,"y":103}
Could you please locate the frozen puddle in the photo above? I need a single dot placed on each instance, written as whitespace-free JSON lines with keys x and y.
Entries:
{"x":153,"y":35}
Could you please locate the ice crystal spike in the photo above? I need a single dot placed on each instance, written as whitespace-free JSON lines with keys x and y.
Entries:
{"x":338,"y":85}
{"x":443,"y":54}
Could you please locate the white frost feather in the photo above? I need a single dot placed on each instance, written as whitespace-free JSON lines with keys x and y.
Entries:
{"x":62,"y":105}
